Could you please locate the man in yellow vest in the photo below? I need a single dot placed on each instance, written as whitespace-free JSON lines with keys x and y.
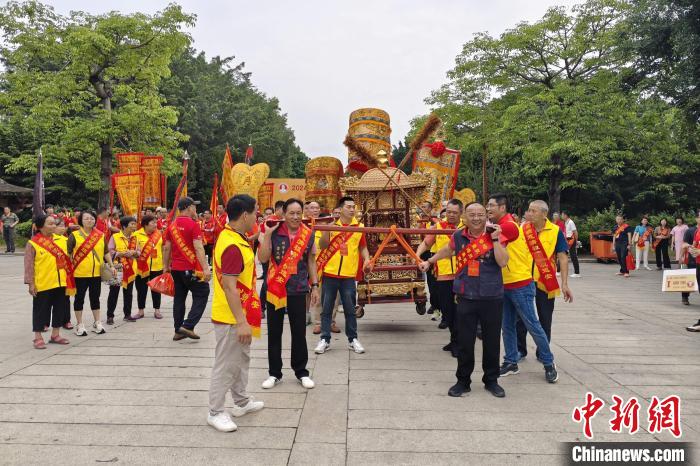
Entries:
{"x":235,"y":313}
{"x":553,"y":241}
{"x":446,"y":268}
{"x":519,"y":292}
{"x":340,"y":262}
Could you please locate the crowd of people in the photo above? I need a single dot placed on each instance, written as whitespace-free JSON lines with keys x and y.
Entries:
{"x":491,"y":276}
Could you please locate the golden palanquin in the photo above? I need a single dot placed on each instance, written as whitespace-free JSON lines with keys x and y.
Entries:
{"x":396,"y":277}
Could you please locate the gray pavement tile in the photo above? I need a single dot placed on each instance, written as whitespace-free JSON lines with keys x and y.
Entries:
{"x":331,"y":454}
{"x":324,"y":418}
{"x":362,"y":458}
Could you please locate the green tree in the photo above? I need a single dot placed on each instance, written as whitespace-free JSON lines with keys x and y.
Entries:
{"x":547,"y":102}
{"x":665,"y":38}
{"x":85,"y":86}
{"x":219,"y":105}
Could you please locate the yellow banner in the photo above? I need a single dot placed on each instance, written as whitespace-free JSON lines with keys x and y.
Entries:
{"x":129,"y":189}
{"x":150,"y":166}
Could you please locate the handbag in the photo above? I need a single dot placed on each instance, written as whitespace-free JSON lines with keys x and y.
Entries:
{"x":106,"y":273}
{"x":630,"y":262}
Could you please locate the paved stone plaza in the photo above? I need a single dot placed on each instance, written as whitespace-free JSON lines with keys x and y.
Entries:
{"x":133,"y":396}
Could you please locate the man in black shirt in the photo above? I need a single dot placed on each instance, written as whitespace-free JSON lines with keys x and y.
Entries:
{"x":622,"y":238}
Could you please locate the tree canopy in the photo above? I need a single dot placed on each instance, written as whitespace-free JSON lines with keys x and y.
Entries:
{"x":83,"y":87}
{"x":552,"y":106}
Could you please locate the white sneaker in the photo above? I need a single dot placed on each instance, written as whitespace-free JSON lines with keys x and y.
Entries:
{"x":356,"y":346}
{"x":558,"y":274}
{"x":270,"y":382}
{"x":98,"y":328}
{"x":575,"y":275}
{"x":251,"y":407}
{"x":222,"y":422}
{"x":306,"y":382}
{"x":80,"y":330}
{"x":322,"y":346}
{"x":647,"y":267}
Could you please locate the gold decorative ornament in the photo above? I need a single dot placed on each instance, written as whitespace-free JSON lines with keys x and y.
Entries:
{"x":247,"y":179}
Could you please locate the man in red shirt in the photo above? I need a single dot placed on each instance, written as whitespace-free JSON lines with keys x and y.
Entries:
{"x":209,"y":233}
{"x":183,"y":256}
{"x":277,"y":215}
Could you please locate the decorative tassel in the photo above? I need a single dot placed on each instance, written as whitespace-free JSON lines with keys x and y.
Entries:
{"x":360,"y":151}
{"x":429,"y":127}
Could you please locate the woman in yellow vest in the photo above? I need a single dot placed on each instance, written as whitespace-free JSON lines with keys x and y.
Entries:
{"x":87,"y":246}
{"x":149,"y":263}
{"x":45,"y":264}
{"x":122,"y":248}
{"x":235,"y":313}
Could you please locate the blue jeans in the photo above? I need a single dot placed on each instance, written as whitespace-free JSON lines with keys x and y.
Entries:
{"x":329,"y":290}
{"x":520,"y":302}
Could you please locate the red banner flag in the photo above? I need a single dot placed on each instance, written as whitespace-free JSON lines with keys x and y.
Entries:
{"x":249,"y":154}
{"x":214,"y":195}
{"x":179,"y":191}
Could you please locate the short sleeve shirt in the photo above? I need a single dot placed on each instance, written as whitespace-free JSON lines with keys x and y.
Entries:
{"x":190,"y":231}
{"x":562,"y":245}
{"x":570,"y":228}
{"x":232,"y":261}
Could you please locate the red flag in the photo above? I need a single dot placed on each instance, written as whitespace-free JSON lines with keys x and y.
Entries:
{"x":249,"y":154}
{"x":214,"y":195}
{"x":178,"y":192}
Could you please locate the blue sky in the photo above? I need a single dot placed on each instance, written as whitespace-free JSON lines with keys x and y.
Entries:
{"x":324,"y":59}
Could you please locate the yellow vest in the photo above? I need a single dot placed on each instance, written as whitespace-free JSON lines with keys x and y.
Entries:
{"x":91,"y":265}
{"x":548,"y":237}
{"x":345,"y":266}
{"x":220,"y":311}
{"x":519,"y":267}
{"x":155,"y":264}
{"x":447,"y":266}
{"x":121,"y":244}
{"x":47,"y":275}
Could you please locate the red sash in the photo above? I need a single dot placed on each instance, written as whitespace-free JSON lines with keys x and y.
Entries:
{"x":642,"y":241}
{"x":148,"y":251}
{"x":475,"y":249}
{"x":87,"y":247}
{"x":62,"y":260}
{"x":250,"y":301}
{"x":330,"y":251}
{"x":620,"y":229}
{"x":185,"y":249}
{"x":278,"y":275}
{"x":548,"y":274}
{"x":663,"y":232}
{"x":128,"y":272}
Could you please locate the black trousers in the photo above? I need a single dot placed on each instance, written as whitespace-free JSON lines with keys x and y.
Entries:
{"x":697,"y":277}
{"x":49,"y":307}
{"x":573,"y":255}
{"x":142,"y":290}
{"x":185,"y":282}
{"x":430,"y":279}
{"x":296,"y":313}
{"x":90,"y":285}
{"x":545,"y":310}
{"x":208,"y":251}
{"x":263,"y":287}
{"x":447,"y":305}
{"x":621,"y":252}
{"x":127,"y":296}
{"x":467,"y":314}
{"x":662,"y":253}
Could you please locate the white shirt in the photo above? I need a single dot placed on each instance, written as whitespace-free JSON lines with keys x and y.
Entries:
{"x":570,"y":228}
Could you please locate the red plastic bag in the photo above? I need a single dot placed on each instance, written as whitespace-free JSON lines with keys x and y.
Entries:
{"x":163,"y":284}
{"x":630,"y":262}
